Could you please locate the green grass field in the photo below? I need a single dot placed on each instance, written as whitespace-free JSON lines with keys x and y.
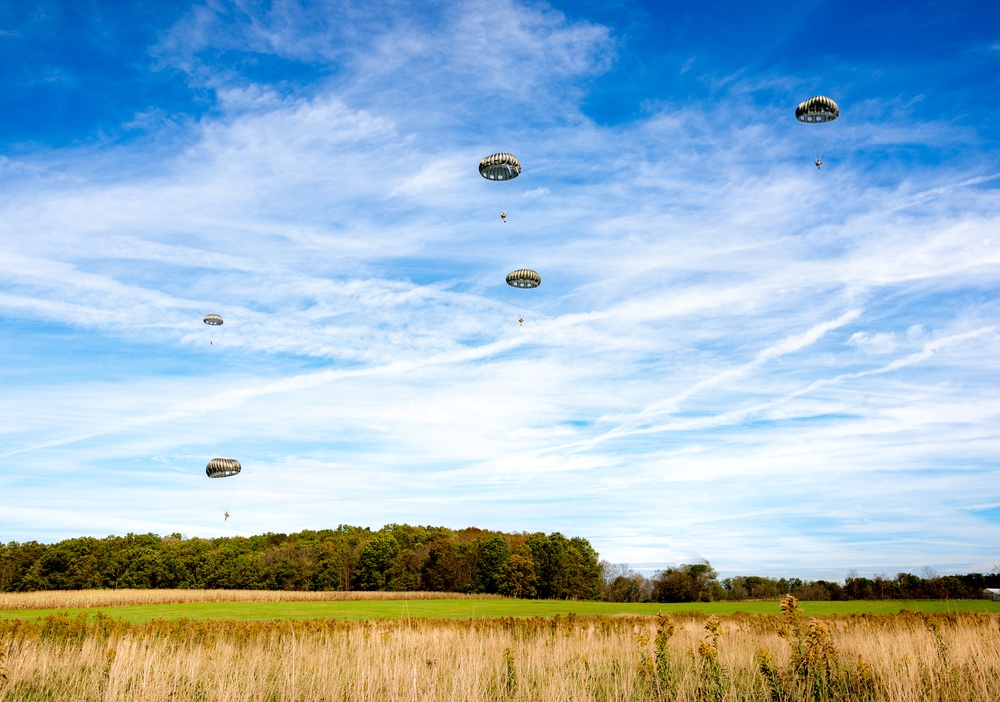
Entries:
{"x":468,"y":609}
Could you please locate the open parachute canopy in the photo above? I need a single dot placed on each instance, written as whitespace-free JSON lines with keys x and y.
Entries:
{"x":523,"y":278}
{"x":500,"y":167}
{"x":817,"y":109}
{"x":222,"y":467}
{"x":213,"y":320}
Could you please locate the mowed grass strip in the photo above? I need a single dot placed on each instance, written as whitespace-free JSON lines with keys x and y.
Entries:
{"x":487,"y":609}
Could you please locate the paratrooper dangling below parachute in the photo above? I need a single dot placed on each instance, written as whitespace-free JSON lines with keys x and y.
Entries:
{"x":500,"y":166}
{"x":818,"y":109}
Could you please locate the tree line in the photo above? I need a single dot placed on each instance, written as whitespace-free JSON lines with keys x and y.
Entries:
{"x":424,"y":558}
{"x":698,"y":582}
{"x":396,"y":557}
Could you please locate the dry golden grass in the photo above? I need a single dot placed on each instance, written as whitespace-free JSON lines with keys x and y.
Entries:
{"x":77,"y":599}
{"x":628,"y":658}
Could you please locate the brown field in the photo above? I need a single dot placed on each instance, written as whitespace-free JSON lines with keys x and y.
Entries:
{"x":75,"y":599}
{"x":904,"y":657}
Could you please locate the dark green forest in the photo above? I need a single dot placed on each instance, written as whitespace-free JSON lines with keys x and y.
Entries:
{"x":396,"y":557}
{"x":423,"y":558}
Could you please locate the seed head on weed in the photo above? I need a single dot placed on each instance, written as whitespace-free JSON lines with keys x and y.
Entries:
{"x":790,"y":606}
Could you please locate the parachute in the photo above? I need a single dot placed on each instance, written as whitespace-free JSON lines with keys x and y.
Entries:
{"x":212,"y":320}
{"x":222,"y":467}
{"x":523,"y":278}
{"x":818,"y":109}
{"x":500,"y":166}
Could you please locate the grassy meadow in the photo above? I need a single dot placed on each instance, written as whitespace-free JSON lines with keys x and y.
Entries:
{"x":689,"y":657}
{"x":490,"y":649}
{"x":140,"y":606}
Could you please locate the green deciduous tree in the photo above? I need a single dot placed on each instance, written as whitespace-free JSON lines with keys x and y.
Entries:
{"x":373,"y":564}
{"x":493,"y":553}
{"x":695,"y":582}
{"x":517,"y":575}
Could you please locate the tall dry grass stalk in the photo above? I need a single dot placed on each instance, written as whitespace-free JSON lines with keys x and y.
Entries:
{"x":626,"y":658}
{"x":76,"y":599}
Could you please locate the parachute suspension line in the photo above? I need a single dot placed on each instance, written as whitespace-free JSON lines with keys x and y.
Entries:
{"x":819,"y":146}
{"x":822,"y":146}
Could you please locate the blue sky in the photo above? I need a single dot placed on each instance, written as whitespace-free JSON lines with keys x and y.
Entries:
{"x":732,"y":356}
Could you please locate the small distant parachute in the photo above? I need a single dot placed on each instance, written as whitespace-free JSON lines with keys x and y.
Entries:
{"x":500,"y":166}
{"x":212,"y":320}
{"x":817,"y":109}
{"x":524,"y":278}
{"x":222,"y":468}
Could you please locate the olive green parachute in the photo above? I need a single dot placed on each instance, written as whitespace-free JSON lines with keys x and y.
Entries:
{"x":817,"y":109}
{"x":222,"y":467}
{"x":213,"y":320}
{"x":500,"y":167}
{"x":523,"y":278}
